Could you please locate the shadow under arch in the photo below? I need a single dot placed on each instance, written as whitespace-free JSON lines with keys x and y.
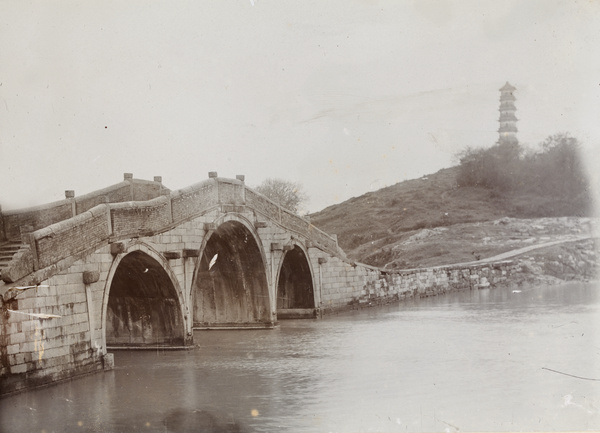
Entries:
{"x":295,"y":289}
{"x":143,"y":308}
{"x":230,"y":287}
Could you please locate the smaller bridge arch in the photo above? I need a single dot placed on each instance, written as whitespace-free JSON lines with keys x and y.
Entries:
{"x":295,"y":285}
{"x":231,"y":286}
{"x":143,"y":303}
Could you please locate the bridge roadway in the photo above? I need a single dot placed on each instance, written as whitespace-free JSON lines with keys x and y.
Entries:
{"x":136,"y":265}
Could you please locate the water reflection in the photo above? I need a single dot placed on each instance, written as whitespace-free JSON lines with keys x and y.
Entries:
{"x":469,"y":361}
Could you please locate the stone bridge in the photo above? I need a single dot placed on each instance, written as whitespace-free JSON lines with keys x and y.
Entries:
{"x":136,"y":265}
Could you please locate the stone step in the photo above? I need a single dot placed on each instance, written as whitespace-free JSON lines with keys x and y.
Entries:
{"x":225,"y":326}
{"x":10,"y":247}
{"x":296,"y":313}
{"x":6,"y":257}
{"x":7,"y":251}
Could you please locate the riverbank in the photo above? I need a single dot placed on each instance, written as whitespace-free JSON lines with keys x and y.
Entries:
{"x":551,"y":264}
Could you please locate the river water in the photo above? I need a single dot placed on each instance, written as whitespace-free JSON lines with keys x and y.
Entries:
{"x":484,"y":360}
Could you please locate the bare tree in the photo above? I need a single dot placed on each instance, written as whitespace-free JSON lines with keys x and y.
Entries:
{"x":283,"y":192}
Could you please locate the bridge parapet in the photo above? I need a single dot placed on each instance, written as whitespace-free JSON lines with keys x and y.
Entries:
{"x":292,"y":221}
{"x":47,"y":247}
{"x":38,"y":217}
{"x":134,"y":219}
{"x":231,"y":191}
{"x":193,"y":200}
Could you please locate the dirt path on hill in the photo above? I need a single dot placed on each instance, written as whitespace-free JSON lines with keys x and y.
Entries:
{"x":519,"y":251}
{"x":487,"y":241}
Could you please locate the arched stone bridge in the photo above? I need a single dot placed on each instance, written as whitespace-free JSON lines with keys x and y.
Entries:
{"x":138,"y":265}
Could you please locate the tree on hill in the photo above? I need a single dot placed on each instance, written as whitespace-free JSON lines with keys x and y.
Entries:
{"x":289,"y":195}
{"x":555,"y":171}
{"x":558,"y":167}
{"x":495,"y":168}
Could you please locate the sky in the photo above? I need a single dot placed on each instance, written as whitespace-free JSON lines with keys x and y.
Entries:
{"x":342,"y":96}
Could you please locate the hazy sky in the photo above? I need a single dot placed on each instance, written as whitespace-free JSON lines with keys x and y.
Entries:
{"x":343,"y":96}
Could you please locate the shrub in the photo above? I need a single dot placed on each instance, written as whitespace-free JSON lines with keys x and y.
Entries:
{"x":555,"y":171}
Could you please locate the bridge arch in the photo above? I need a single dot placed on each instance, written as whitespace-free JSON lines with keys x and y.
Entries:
{"x":231,"y":285}
{"x":143,"y":303}
{"x":295,"y":284}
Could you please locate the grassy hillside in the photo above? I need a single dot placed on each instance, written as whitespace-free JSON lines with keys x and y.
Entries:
{"x":369,"y":226}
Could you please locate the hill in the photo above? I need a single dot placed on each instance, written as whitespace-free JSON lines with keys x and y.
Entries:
{"x":381,"y":227}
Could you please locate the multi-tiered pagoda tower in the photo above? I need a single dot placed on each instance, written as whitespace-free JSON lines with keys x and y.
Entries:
{"x":508,"y":120}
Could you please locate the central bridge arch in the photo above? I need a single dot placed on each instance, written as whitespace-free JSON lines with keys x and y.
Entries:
{"x":230,"y":287}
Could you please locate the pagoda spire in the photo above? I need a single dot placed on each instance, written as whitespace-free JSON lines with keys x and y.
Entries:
{"x":508,"y":120}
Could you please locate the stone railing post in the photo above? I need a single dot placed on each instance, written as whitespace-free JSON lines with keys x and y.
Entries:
{"x":70,"y":196}
{"x":2,"y":231}
{"x":214,"y":175}
{"x":242,"y":178}
{"x":158,"y":179}
{"x":128,"y":177}
{"x":109,"y":228}
{"x":27,"y":238}
{"x":25,"y":231}
{"x":167,"y":194}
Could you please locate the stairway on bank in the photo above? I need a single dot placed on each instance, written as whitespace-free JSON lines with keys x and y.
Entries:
{"x":7,"y":251}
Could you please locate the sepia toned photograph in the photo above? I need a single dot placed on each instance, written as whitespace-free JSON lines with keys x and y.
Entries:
{"x":299,"y":216}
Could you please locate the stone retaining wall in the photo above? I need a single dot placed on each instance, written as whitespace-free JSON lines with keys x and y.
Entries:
{"x":348,"y":285}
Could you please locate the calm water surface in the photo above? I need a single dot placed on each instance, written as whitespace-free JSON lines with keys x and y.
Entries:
{"x":467,"y":361}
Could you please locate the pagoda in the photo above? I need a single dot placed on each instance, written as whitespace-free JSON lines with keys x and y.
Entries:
{"x":508,"y":120}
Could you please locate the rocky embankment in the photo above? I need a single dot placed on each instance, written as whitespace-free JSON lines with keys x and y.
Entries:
{"x":568,"y":261}
{"x":557,"y":247}
{"x":566,"y":258}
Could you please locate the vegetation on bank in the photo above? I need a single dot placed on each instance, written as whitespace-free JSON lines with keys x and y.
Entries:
{"x":487,"y":185}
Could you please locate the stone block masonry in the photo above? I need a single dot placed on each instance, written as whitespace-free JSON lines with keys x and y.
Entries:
{"x":55,"y":331}
{"x":46,"y":336}
{"x":346,"y":285}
